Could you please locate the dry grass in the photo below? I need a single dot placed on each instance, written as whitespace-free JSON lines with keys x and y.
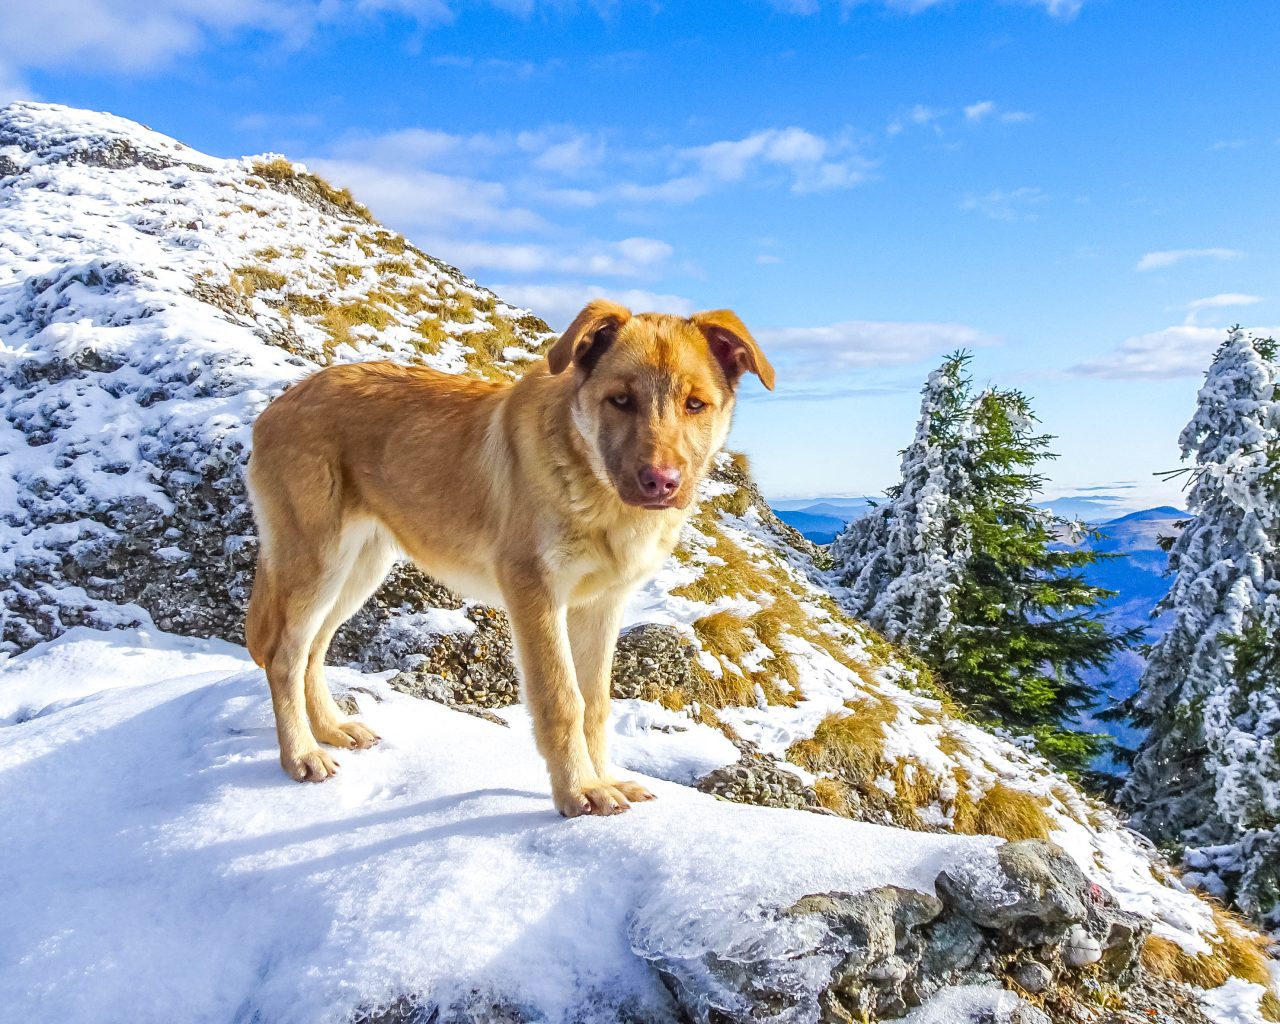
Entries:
{"x":280,"y":172}
{"x":433,"y":334}
{"x":1002,"y":811}
{"x":767,"y":584}
{"x":917,"y":787}
{"x":461,"y":308}
{"x":833,"y":795}
{"x":401,"y":268}
{"x":1238,"y":952}
{"x":848,"y":752}
{"x":850,"y":747}
{"x":389,"y":241}
{"x":251,"y":280}
{"x":305,"y":305}
{"x":487,"y":347}
{"x":339,"y":320}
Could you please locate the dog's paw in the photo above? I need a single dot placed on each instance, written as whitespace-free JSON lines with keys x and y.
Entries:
{"x":600,"y":797}
{"x":350,"y":735}
{"x":309,"y":766}
{"x":633,"y":791}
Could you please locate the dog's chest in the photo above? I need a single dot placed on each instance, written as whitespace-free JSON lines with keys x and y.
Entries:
{"x":621,"y":557}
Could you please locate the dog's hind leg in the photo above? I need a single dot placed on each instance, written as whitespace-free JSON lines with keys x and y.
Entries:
{"x":374,"y":554}
{"x":593,"y":635}
{"x":297,"y":506}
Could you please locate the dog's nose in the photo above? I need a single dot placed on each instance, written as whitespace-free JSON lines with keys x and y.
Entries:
{"x":659,"y":482}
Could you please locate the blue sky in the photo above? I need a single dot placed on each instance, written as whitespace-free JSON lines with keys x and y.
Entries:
{"x":1082,"y":191}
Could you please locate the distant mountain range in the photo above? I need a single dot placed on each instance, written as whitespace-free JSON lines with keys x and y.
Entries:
{"x":820,"y":519}
{"x":1137,"y":575}
{"x":1138,"y":578}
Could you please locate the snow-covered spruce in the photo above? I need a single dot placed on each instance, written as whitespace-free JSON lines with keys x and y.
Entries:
{"x":1208,"y":770}
{"x":963,"y":568}
{"x":152,"y":299}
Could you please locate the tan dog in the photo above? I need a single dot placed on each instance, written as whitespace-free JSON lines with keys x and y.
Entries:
{"x":553,"y":498}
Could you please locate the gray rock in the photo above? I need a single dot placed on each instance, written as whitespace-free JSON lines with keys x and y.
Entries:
{"x":650,"y":658}
{"x":1039,"y":900}
{"x":1031,"y":976}
{"x":759,"y":779}
{"x":1025,"y":1013}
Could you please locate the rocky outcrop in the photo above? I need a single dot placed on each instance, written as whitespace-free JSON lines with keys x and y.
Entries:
{"x":757,"y":778}
{"x":1036,"y":923}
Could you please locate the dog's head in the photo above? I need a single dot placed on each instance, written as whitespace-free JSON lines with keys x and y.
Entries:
{"x":653,"y":395}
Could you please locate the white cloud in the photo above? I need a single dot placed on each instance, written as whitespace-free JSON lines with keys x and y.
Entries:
{"x":1006,"y":205}
{"x":976,"y":113}
{"x":918,"y":116}
{"x":805,"y":161}
{"x":569,"y":156}
{"x":1064,"y":9}
{"x":1181,"y":351}
{"x":813,"y":352}
{"x":145,"y":36}
{"x":631,"y":257}
{"x":1169,"y":257}
{"x":12,"y":85}
{"x":134,"y":35}
{"x":418,"y":199}
{"x":557,"y":304}
{"x":815,"y":164}
{"x":1224,"y":300}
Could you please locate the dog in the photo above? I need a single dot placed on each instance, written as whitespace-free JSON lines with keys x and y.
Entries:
{"x":552,"y":498}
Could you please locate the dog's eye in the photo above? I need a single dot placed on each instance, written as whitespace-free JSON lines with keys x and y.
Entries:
{"x":620,"y":401}
{"x":694,"y":404}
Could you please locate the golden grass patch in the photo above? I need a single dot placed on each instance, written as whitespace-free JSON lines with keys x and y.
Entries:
{"x":1238,"y":952}
{"x":1003,"y":811}
{"x":305,"y":305}
{"x":849,"y":746}
{"x":735,"y":573}
{"x":251,"y":280}
{"x":280,"y":171}
{"x":339,"y":320}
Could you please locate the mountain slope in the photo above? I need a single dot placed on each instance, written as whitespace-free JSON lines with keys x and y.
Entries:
{"x":153,"y":299}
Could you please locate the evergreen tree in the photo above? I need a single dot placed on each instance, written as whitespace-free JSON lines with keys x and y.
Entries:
{"x":903,"y":561}
{"x":962,"y":567}
{"x":1208,"y":769}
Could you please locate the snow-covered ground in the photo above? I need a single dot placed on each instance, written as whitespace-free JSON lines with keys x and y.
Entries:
{"x":160,"y":867}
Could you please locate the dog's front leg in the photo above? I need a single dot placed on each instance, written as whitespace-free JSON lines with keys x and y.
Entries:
{"x":540,"y":629}
{"x":593,"y":635}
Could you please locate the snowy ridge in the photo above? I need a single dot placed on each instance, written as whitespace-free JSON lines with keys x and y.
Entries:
{"x":152,"y":300}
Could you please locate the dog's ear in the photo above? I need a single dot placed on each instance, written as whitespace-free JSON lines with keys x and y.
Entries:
{"x":732,"y":345}
{"x":588,"y":337}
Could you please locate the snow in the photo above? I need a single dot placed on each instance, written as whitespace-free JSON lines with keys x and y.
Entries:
{"x":1236,"y":1002}
{"x":648,"y":738}
{"x":165,"y":864}
{"x":966,"y":1004}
